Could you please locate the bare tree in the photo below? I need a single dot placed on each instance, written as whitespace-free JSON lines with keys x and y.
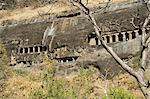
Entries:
{"x":145,"y":42}
{"x":50,"y":31}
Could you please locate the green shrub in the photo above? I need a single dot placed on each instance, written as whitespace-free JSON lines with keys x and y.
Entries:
{"x":3,"y":62}
{"x":85,"y":86}
{"x":5,"y":72}
{"x":52,"y":87}
{"x":21,"y":72}
{"x":136,"y":61}
{"x":119,"y":93}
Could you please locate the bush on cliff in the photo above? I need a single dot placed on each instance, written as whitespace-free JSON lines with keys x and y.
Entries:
{"x":4,"y":70}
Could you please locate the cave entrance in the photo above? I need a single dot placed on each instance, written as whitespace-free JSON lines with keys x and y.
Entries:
{"x":108,"y":39}
{"x":133,"y":35}
{"x":21,"y":50}
{"x":36,"y":49}
{"x":127,"y":36}
{"x":120,"y":37}
{"x":114,"y":38}
{"x":26,"y":50}
{"x":31,"y":49}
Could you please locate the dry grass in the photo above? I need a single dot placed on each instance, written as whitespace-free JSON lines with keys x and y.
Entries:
{"x":98,"y":84}
{"x":91,"y":86}
{"x":127,"y":82}
{"x":20,"y":87}
{"x":30,"y":12}
{"x":87,"y":83}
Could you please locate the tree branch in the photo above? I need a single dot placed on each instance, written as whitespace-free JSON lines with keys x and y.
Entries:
{"x":127,"y":68}
{"x":148,"y":41}
{"x":132,"y":22}
{"x":146,"y":4}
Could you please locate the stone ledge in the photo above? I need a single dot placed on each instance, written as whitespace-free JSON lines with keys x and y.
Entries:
{"x":49,"y":17}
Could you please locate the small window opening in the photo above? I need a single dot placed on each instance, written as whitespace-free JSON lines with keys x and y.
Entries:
{"x":44,"y":48}
{"x":140,"y":32}
{"x":120,"y":36}
{"x":108,"y":39}
{"x":127,"y":36}
{"x":41,"y":49}
{"x":96,"y":39}
{"x":21,"y":50}
{"x":114,"y":38}
{"x":103,"y":38}
{"x":26,"y":50}
{"x":36,"y":49}
{"x":133,"y":35}
{"x":31,"y":49}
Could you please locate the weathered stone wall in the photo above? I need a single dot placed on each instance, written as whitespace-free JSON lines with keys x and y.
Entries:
{"x":73,"y":31}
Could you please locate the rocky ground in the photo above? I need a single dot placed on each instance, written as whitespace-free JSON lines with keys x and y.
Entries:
{"x":46,"y":80}
{"x":87,"y":83}
{"x":62,"y":6}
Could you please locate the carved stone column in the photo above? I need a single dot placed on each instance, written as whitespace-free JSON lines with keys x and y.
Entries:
{"x":124,"y":37}
{"x":67,"y":61}
{"x":38,"y":49}
{"x":92,"y":41}
{"x":33,"y":49}
{"x":73,"y":59}
{"x":18,"y":50}
{"x":110,"y":37}
{"x":23,"y":50}
{"x":61,"y":61}
{"x":117,"y":39}
{"x":136,"y":33}
{"x":148,"y":28}
{"x":28,"y":49}
{"x":130,"y":34}
{"x":99,"y":42}
{"x":105,"y":39}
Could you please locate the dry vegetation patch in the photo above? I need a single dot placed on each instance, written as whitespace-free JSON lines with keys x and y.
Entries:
{"x":88,"y":83}
{"x":19,"y":87}
{"x":33,"y":11}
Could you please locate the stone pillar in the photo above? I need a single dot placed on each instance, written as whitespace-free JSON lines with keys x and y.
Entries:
{"x":73,"y":59}
{"x":124,"y":37}
{"x":148,"y":28}
{"x":67,"y":61}
{"x":23,"y":50}
{"x":33,"y":63}
{"x":58,"y":52}
{"x":13,"y":60}
{"x":99,"y":42}
{"x":110,"y":37}
{"x":105,"y":40}
{"x":18,"y":50}
{"x":117,"y":39}
{"x":61,"y":61}
{"x":38,"y":49}
{"x":130,"y":34}
{"x":92,"y":41}
{"x":28,"y":49}
{"x":136,"y":33}
{"x":33,"y":49}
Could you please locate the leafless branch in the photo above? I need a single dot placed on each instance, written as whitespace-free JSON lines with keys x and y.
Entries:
{"x":147,"y":39}
{"x":45,"y":13}
{"x":132,"y":22}
{"x":103,"y":9}
{"x":127,"y":68}
{"x":144,"y":51}
{"x":145,"y":2}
